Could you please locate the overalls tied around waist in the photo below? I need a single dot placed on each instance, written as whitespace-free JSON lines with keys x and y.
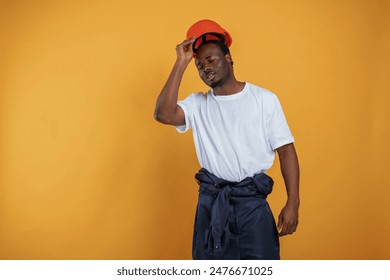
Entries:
{"x":217,"y":234}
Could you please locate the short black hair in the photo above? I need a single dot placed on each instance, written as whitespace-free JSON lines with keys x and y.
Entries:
{"x":225,"y":50}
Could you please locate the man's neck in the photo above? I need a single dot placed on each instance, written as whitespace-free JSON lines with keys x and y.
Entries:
{"x":229,"y":88}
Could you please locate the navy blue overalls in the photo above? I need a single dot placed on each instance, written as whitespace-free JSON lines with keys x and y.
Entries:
{"x":233,"y":219}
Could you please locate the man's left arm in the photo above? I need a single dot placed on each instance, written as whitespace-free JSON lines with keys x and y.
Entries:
{"x":288,"y":218}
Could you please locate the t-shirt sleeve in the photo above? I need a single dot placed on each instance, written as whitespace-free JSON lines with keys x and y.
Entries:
{"x":279,"y":133}
{"x":188,"y":105}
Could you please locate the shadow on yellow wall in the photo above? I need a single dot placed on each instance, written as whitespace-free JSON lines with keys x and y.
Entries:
{"x":86,"y":173}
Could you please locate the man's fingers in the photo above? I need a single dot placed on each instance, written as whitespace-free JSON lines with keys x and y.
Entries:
{"x":185,"y":48}
{"x":288,"y":222}
{"x":287,"y":228}
{"x":187,"y":42}
{"x":280,"y":221}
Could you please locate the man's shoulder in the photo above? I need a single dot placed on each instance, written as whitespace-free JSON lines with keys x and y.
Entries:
{"x":197,"y":95}
{"x":260,"y":91}
{"x":201,"y":97}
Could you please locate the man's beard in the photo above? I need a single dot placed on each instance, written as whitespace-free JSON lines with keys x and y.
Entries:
{"x":215,"y":84}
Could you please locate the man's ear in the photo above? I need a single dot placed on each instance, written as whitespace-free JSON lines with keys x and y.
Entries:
{"x":229,"y":58}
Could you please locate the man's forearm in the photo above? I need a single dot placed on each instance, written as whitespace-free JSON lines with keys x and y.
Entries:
{"x":290,"y":171}
{"x":167,"y":110}
{"x":166,"y":101}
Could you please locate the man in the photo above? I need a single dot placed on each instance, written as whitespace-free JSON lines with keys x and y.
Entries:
{"x":237,"y":128}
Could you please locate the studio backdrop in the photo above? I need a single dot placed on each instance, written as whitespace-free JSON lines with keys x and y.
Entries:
{"x":87,"y":173}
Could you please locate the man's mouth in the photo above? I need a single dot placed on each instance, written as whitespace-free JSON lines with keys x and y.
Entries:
{"x":210,"y":76}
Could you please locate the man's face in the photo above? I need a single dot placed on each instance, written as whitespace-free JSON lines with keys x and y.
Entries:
{"x":213,"y":66}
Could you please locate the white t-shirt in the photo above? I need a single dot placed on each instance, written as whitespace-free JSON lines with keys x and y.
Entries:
{"x":235,"y":135}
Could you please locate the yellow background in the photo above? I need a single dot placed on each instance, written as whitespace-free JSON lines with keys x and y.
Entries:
{"x":86,"y":172}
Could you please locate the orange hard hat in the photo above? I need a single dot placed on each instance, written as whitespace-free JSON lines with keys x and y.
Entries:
{"x":206,"y":30}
